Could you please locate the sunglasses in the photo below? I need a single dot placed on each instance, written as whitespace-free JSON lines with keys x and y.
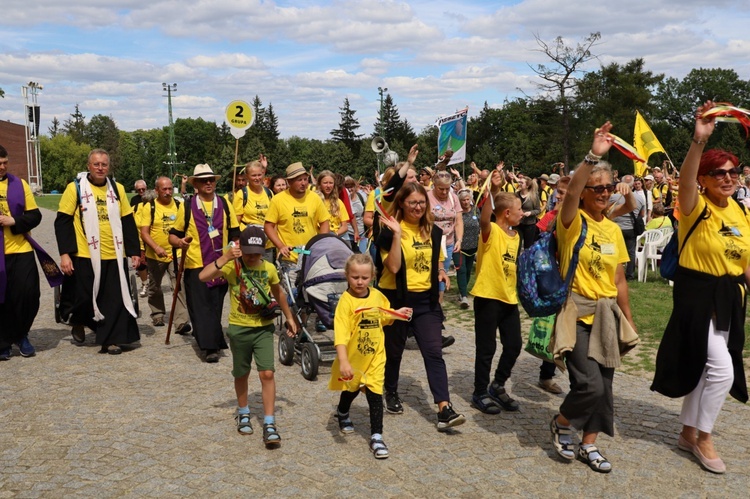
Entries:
{"x":598,"y":189}
{"x":205,"y":180}
{"x":720,"y":174}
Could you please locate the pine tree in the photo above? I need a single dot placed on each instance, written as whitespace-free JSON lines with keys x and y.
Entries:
{"x":346,"y":132}
{"x":271,"y":136}
{"x":75,"y":126}
{"x":390,"y":120}
{"x":54,"y":128}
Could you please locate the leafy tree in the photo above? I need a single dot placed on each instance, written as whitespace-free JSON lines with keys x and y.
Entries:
{"x":346,"y":133}
{"x":75,"y":126}
{"x":197,"y":141}
{"x":2,"y":93}
{"x":560,"y":78}
{"x":62,"y":158}
{"x":614,"y":93}
{"x":102,"y":132}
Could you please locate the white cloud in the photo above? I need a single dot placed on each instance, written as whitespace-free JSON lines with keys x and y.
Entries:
{"x":226,"y":61}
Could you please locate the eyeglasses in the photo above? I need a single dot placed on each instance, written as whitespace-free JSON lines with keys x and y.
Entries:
{"x":598,"y":189}
{"x":443,"y":175}
{"x":142,"y":189}
{"x":211,"y":180}
{"x":720,"y":174}
{"x":414,"y":204}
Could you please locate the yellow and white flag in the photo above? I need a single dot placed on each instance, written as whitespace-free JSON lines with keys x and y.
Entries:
{"x":645,"y":143}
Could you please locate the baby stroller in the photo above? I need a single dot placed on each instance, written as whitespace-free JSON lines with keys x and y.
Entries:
{"x":320,"y":284}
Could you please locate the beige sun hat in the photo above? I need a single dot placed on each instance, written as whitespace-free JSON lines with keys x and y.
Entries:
{"x":202,"y":171}
{"x":295,"y":170}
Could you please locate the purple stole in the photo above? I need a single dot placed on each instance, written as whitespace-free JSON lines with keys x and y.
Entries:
{"x":17,"y":205}
{"x":211,"y":248}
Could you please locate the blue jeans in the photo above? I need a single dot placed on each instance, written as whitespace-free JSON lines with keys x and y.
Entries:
{"x":447,"y":263}
{"x":464,"y":266}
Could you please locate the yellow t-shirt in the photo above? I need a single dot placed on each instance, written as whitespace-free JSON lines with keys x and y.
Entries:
{"x":15,"y":243}
{"x":364,"y":339}
{"x":603,"y":250}
{"x":245,"y":304}
{"x":165,"y":218}
{"x":720,"y":244}
{"x":417,"y":254}
{"x":370,"y":203}
{"x":296,"y":220}
{"x":69,"y":206}
{"x":254,"y":211}
{"x":497,"y":257}
{"x":335,"y":222}
{"x":194,"y":257}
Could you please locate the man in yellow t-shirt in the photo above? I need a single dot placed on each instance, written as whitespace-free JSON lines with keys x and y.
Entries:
{"x":295,"y":216}
{"x":205,"y":224}
{"x":108,"y":313}
{"x":19,"y":281}
{"x":155,"y":221}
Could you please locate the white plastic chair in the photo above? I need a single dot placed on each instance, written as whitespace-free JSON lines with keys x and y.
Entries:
{"x":667,"y":233}
{"x":646,"y":249}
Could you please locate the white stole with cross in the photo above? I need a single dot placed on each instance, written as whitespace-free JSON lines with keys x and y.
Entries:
{"x":91,"y":229}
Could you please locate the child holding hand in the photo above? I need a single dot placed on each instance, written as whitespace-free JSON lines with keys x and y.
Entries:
{"x":360,"y":316}
{"x":252,"y":281}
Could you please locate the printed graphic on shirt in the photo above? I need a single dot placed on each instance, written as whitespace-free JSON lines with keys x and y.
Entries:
{"x":595,"y":267}
{"x":249,"y":298}
{"x":298,"y":226}
{"x":4,"y":205}
{"x":101,"y":209}
{"x":421,"y":263}
{"x":167,"y":222}
{"x":508,"y":258}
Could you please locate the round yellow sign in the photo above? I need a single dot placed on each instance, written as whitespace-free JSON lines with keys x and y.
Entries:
{"x":240,"y":115}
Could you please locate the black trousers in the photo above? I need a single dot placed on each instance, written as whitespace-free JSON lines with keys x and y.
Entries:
{"x":426,"y":323}
{"x":204,"y":305}
{"x":630,"y":240}
{"x":118,"y":327}
{"x":589,"y":406}
{"x":489,"y":317}
{"x":21,"y":305}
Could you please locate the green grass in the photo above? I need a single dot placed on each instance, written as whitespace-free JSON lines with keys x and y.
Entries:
{"x":651,"y":305}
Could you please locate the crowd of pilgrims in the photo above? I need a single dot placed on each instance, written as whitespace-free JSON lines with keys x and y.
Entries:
{"x":409,"y":230}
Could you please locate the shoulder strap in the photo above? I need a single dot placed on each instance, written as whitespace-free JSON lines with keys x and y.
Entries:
{"x":244,"y":196}
{"x":576,"y":250}
{"x":153,"y":210}
{"x":695,"y":224}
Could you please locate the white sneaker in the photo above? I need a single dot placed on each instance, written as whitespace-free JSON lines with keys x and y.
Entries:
{"x":144,"y":290}
{"x":464,"y":302}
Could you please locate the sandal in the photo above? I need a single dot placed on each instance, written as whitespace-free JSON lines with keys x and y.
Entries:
{"x":378,"y":447}
{"x":345,"y":423}
{"x":591,"y":456}
{"x":243,"y":424}
{"x":111,"y":349}
{"x":562,"y":439}
{"x":485,"y":404}
{"x":271,"y":437}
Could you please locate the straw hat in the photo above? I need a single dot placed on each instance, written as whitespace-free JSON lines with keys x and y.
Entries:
{"x":295,"y":170}
{"x":203,"y":171}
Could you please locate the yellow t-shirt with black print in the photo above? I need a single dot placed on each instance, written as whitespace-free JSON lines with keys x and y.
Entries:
{"x":15,"y":243}
{"x":602,"y":252}
{"x":335,"y":222}
{"x":254,"y":211}
{"x":720,"y":244}
{"x":297,"y":220}
{"x":245,"y":303}
{"x":69,"y":206}
{"x":496,"y":266}
{"x":417,"y":253}
{"x":194,"y":255}
{"x":164,"y":219}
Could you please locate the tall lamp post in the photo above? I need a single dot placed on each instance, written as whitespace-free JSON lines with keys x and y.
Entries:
{"x":381,"y":90}
{"x":172,"y":152}
{"x":33,"y":162}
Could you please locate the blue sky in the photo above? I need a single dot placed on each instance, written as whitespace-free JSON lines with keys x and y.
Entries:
{"x":305,"y":57}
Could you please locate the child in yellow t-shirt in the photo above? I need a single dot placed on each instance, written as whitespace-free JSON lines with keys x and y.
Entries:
{"x":251,"y":280}
{"x":496,"y":299}
{"x":358,"y":336}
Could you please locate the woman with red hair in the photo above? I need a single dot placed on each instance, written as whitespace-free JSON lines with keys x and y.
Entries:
{"x":700,"y":356}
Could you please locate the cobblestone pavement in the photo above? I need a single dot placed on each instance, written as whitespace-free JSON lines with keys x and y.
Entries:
{"x":157,"y":421}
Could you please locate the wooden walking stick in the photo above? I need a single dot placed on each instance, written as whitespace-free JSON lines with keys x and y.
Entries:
{"x":178,"y":279}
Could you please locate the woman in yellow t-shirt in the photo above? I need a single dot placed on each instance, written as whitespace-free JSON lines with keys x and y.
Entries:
{"x":329,"y":194}
{"x":410,"y":270}
{"x":598,"y":283}
{"x":700,"y":355}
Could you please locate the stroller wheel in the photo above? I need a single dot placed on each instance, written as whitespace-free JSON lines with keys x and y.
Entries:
{"x":286,"y":348}
{"x":309,"y":361}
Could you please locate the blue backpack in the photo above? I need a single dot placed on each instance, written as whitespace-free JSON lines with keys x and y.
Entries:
{"x":541,"y":289}
{"x":670,"y":255}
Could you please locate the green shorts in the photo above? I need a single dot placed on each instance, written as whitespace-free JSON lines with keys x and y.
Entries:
{"x":248,"y":343}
